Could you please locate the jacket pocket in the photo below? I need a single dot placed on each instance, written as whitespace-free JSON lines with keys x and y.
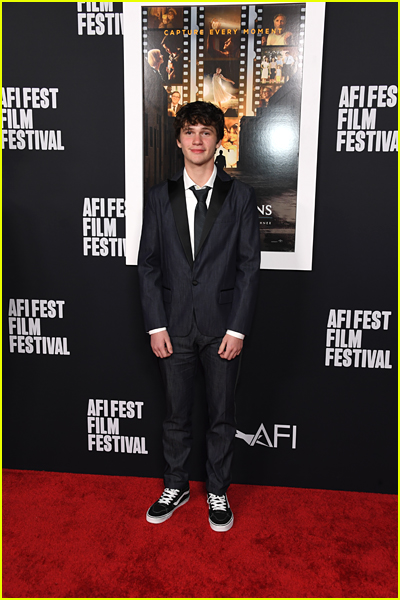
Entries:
{"x":167,"y":295}
{"x":226,"y":296}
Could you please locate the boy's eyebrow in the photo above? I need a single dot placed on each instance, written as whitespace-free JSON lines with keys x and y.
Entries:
{"x":185,"y":127}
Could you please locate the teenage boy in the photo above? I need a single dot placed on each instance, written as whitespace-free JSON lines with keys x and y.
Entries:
{"x":198,"y":267}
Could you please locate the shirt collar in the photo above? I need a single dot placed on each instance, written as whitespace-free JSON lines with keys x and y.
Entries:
{"x":188,"y":182}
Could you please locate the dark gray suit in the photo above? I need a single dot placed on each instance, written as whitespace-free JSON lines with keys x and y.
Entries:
{"x":198,"y":300}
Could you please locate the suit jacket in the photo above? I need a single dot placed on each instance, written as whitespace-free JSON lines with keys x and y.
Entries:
{"x":170,"y":109}
{"x":220,"y":285}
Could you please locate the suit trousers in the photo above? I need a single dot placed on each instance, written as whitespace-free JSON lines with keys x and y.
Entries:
{"x":178,"y":371}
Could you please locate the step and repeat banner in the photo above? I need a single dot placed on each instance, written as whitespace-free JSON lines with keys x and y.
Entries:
{"x":317,"y":396}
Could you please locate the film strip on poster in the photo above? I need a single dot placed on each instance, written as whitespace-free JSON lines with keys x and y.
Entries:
{"x":248,"y":59}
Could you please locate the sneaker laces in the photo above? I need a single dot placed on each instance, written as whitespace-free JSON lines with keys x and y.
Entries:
{"x":168,"y":496}
{"x":217,"y":502}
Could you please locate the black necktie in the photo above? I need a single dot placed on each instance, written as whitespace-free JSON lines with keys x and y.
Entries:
{"x":199,"y":214}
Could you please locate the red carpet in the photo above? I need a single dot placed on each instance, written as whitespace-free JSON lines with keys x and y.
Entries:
{"x":85,"y":536}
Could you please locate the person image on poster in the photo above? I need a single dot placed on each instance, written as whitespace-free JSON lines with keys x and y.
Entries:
{"x":171,"y":15}
{"x":230,"y":146}
{"x":220,"y":161}
{"x":164,"y":22}
{"x":272,"y":66}
{"x":221,"y":46}
{"x":198,"y":266}
{"x":168,"y":19}
{"x":288,"y":63}
{"x":265,"y":95}
{"x":162,"y":17}
{"x":265,"y":70}
{"x":229,"y":48}
{"x":281,"y":36}
{"x":221,"y":96}
{"x":175,"y":106}
{"x":155,"y":60}
{"x":174,"y":54}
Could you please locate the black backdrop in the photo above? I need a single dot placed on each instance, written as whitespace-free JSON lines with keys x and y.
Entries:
{"x":342,"y":421}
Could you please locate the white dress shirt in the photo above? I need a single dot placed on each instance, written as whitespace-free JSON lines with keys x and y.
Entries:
{"x":191,"y":203}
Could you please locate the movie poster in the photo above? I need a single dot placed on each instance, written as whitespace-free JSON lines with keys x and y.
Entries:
{"x":248,"y":59}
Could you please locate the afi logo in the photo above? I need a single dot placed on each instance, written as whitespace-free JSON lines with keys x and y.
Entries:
{"x":262,"y":437}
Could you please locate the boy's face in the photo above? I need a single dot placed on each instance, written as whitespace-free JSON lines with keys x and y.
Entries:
{"x":198,"y":144}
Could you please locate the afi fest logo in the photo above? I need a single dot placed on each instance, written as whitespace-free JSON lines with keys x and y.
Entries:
{"x":261,"y":436}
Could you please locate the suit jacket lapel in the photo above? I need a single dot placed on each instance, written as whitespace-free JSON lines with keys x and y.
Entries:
{"x":177,"y":199}
{"x":219,"y":193}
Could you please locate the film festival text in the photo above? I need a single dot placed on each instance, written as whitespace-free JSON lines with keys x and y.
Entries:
{"x":103,"y":426}
{"x":344,"y":336}
{"x":18,"y":129}
{"x":99,"y":18}
{"x":101,"y":217}
{"x":357,"y":119}
{"x":25,"y":326}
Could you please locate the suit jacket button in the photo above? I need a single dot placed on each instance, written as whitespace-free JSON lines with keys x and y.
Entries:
{"x":195,"y":282}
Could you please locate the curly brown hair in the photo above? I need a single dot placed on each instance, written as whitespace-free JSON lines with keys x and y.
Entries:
{"x":203,"y":113}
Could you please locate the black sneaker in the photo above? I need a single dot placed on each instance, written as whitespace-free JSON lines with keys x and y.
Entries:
{"x":169,"y":501}
{"x":220,"y":515}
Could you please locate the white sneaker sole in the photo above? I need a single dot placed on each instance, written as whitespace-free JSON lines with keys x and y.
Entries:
{"x":225,"y":527}
{"x":157,"y":520}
